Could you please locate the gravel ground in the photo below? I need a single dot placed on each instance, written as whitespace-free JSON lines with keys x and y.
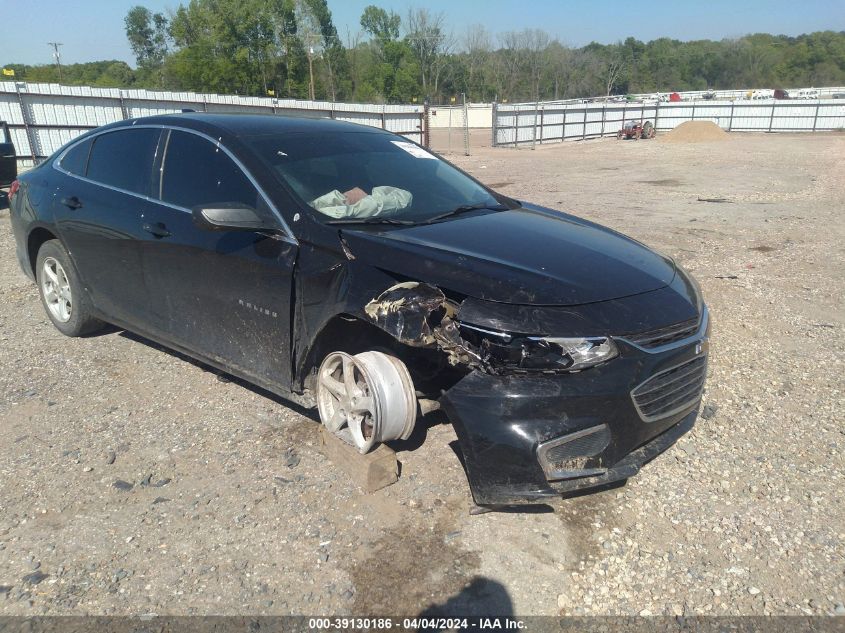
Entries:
{"x":136,"y":481}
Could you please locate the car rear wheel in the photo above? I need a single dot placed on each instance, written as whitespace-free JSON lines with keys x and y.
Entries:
{"x":367,"y":398}
{"x":65,"y":300}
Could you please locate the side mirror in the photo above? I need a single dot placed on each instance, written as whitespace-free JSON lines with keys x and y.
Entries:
{"x":227,"y":218}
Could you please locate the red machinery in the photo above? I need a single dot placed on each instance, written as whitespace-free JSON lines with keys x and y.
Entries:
{"x":636,"y":130}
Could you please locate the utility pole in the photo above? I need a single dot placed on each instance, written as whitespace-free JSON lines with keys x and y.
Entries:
{"x":312,"y":39}
{"x":311,"y":73}
{"x":58,"y":57}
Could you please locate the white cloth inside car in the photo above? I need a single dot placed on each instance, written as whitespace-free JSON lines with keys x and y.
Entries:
{"x":382,"y":201}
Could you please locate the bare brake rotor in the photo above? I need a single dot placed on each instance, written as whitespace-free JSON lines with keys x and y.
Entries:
{"x":366,"y":399}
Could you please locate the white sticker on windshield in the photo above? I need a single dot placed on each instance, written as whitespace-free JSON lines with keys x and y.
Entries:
{"x":413,"y":150}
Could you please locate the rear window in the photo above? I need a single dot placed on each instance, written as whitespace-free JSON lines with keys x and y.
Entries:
{"x":124,"y":159}
{"x":75,"y":160}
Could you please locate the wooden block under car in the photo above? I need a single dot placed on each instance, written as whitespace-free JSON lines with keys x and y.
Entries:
{"x":373,"y":471}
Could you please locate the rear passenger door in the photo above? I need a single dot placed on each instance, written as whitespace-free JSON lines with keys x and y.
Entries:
{"x":98,"y":208}
{"x":225,"y":295}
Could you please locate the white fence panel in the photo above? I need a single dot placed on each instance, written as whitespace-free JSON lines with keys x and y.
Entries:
{"x":695,"y":95}
{"x":832,"y":116}
{"x":43,"y":117}
{"x":549,"y":122}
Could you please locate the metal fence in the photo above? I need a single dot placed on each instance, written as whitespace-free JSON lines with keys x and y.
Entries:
{"x":43,"y":117}
{"x":545,"y":122}
{"x":451,"y":124}
{"x":691,"y":95}
{"x":828,"y":92}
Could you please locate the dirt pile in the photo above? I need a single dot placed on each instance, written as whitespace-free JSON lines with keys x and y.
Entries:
{"x":696,"y":132}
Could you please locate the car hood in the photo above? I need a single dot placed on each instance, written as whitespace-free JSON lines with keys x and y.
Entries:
{"x":528,"y":256}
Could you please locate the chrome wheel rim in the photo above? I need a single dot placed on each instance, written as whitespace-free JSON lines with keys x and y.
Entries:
{"x":366,"y":399}
{"x":345,"y":401}
{"x":55,"y":289}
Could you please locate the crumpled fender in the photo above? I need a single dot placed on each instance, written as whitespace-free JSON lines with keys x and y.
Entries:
{"x":403,"y":310}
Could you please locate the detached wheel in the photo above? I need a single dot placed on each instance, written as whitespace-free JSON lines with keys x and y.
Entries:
{"x":366,"y":398}
{"x":62,"y":295}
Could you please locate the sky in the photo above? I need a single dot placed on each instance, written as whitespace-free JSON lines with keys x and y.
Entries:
{"x":93,"y":30}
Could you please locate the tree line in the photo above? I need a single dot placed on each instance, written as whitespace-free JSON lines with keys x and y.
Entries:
{"x":291,"y":48}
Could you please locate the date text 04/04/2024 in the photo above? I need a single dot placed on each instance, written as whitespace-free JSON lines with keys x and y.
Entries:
{"x":416,"y":623}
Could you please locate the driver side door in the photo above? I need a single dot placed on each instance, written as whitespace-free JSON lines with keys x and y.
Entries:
{"x":222,"y":294}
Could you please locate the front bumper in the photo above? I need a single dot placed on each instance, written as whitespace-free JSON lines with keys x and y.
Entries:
{"x":505,"y":423}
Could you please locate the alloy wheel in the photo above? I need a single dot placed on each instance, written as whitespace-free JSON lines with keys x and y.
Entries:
{"x":55,"y":288}
{"x":366,"y":399}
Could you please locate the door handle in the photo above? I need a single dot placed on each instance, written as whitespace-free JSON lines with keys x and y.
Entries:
{"x":158,"y":229}
{"x":72,"y":202}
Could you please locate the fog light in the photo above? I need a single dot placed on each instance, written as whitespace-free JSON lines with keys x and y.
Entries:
{"x":566,"y":456}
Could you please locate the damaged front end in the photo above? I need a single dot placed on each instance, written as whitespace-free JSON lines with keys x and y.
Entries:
{"x":420,"y":315}
{"x":541,"y":415}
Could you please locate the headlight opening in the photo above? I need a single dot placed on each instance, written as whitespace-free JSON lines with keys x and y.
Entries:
{"x":539,"y":353}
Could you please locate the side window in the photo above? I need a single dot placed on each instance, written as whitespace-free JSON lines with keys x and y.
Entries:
{"x":76,"y":159}
{"x":124,"y":159}
{"x":196,"y":172}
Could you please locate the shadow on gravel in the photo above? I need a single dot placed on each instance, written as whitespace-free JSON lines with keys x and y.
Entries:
{"x":107,"y":329}
{"x":482,"y":597}
{"x":420,"y":433}
{"x":592,"y":491}
{"x":411,"y":444}
{"x":222,"y":376}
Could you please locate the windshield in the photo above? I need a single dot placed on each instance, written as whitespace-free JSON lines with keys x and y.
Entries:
{"x":368,"y":176}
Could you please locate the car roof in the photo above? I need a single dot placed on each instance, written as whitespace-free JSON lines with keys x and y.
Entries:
{"x":243,"y":124}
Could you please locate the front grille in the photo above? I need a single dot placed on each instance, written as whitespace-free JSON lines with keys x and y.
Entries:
{"x":671,"y":391}
{"x":664,"y":335}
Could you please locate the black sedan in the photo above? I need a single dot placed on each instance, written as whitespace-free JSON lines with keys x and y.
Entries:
{"x":349,"y":269}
